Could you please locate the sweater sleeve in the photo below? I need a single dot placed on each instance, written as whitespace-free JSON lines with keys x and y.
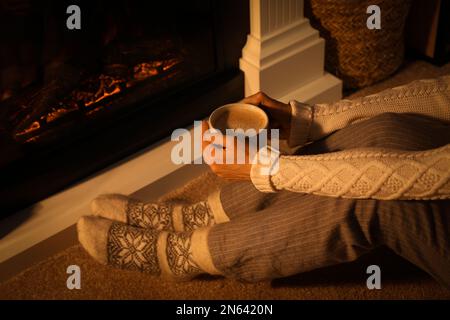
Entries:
{"x":425,"y":97}
{"x":361,"y":173}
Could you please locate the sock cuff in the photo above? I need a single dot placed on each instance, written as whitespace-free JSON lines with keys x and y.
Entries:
{"x":215,"y":204}
{"x":161,"y":252}
{"x":200,"y":251}
{"x":177,"y":218}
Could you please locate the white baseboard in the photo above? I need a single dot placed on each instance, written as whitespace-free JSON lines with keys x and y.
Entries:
{"x":324,"y":89}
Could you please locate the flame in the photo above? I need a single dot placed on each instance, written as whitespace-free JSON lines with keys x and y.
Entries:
{"x":170,"y":63}
{"x":104,"y":95}
{"x":108,"y":87}
{"x":95,"y":89}
{"x":61,"y":110}
{"x":146,"y":70}
{"x":33,"y":127}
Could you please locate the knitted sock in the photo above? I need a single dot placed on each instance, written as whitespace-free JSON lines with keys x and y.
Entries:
{"x":160,"y":253}
{"x":160,"y":216}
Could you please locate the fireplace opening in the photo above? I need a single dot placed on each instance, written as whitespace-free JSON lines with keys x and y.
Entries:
{"x":75,"y":101}
{"x":125,"y":59}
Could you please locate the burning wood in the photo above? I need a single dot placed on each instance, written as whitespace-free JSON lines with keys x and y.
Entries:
{"x":90,"y":96}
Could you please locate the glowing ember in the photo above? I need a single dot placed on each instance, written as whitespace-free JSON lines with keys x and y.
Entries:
{"x":60,"y":111}
{"x":34,"y":126}
{"x":95,"y":89}
{"x":170,"y":63}
{"x":107,"y":87}
{"x":146,"y":70}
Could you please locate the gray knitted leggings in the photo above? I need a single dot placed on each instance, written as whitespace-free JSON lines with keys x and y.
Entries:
{"x":281,"y":234}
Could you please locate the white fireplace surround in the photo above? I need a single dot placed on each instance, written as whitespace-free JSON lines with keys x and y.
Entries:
{"x":283,"y":56}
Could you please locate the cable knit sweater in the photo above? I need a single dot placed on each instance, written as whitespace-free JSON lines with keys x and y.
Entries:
{"x":363,"y":173}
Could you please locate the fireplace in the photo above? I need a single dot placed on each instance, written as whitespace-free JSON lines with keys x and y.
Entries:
{"x":75,"y":101}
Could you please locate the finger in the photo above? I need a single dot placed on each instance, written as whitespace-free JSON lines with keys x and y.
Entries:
{"x":234,"y":146}
{"x":264,"y":102}
{"x":254,"y":99}
{"x":260,"y":98}
{"x":229,"y":141}
{"x":232,"y":172}
{"x":205,"y":127}
{"x":209,"y":156}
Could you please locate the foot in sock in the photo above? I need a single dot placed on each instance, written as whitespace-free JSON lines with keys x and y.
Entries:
{"x":159,"y":216}
{"x":181,"y":255}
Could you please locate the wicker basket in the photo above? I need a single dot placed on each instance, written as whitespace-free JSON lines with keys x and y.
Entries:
{"x":354,"y":53}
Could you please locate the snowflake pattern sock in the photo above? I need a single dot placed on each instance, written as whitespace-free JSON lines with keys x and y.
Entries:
{"x":160,"y":216}
{"x":175,"y":255}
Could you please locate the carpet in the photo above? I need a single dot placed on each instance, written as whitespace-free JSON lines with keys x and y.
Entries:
{"x":400,"y":279}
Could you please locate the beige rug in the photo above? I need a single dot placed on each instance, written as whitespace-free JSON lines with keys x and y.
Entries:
{"x":400,"y":280}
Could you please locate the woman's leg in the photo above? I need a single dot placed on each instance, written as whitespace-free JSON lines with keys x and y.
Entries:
{"x":303,"y":232}
{"x":167,"y":216}
{"x":296,"y":234}
{"x":240,"y":198}
{"x":292,"y":232}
